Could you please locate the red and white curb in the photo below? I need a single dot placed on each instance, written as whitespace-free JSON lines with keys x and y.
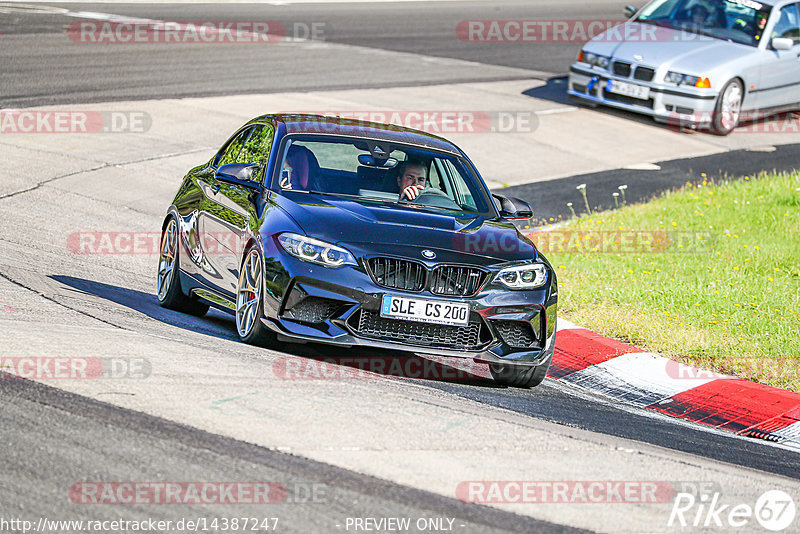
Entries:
{"x":625,"y":373}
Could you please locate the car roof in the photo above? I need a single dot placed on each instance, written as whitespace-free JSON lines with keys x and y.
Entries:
{"x":345,"y":127}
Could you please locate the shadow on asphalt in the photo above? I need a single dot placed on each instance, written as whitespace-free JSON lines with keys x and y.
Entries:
{"x":320,"y":361}
{"x":555,"y":90}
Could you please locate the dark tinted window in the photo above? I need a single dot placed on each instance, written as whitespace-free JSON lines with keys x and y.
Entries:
{"x":257,"y":146}
{"x":231,"y":151}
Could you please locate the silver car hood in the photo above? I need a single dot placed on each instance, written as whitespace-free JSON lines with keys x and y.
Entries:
{"x":676,"y":50}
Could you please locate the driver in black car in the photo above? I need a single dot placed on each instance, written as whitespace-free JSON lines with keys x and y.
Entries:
{"x":411,"y":178}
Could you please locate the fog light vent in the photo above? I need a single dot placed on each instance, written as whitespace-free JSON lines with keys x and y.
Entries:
{"x":313,"y":310}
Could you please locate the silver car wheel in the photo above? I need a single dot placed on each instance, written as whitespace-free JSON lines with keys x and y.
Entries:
{"x":731,"y":106}
{"x":166,"y":260}
{"x":248,"y":294}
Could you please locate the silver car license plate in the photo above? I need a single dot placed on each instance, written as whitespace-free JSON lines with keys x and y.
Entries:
{"x":426,"y":311}
{"x":639,"y":92}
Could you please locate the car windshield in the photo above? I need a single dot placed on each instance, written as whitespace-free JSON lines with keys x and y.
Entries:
{"x":740,"y":21}
{"x":368,"y":171}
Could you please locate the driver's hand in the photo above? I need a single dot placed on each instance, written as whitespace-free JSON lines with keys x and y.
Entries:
{"x":411,"y":192}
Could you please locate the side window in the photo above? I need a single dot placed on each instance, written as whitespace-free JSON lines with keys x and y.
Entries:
{"x":433,"y":176}
{"x":788,"y":24}
{"x":230,"y":153}
{"x":257,"y":146}
{"x":462,"y":191}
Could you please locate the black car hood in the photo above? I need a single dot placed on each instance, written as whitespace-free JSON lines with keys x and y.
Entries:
{"x":388,"y":228}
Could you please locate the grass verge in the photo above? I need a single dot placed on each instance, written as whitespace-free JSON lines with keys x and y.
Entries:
{"x":708,"y":275}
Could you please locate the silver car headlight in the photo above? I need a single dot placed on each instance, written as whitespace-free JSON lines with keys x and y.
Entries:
{"x":529,"y":276}
{"x":594,"y":59}
{"x":687,"y":79}
{"x":315,"y":251}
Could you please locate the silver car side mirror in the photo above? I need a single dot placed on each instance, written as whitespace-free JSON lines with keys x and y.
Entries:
{"x":629,"y":12}
{"x":782,"y":43}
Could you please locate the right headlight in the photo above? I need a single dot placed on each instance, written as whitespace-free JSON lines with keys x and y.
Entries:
{"x":594,"y":59}
{"x":529,"y":276}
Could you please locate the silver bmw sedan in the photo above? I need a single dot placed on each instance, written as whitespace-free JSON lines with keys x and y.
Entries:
{"x":696,"y":63}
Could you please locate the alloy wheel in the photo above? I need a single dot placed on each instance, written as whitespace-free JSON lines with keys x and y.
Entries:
{"x":248,"y":294}
{"x":166,"y":260}
{"x":731,"y":106}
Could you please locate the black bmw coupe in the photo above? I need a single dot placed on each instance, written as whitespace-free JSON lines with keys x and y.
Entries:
{"x":320,"y":229}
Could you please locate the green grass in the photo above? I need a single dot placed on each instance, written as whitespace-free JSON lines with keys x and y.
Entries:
{"x":716,"y":284}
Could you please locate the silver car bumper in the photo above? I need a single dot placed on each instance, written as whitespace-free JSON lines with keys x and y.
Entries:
{"x":666,"y":103}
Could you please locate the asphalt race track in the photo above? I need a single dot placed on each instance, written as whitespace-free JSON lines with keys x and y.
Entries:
{"x":44,"y":72}
{"x":192,"y":403}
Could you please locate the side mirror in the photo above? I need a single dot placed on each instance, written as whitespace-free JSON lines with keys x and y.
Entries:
{"x":240,"y":174}
{"x":782,"y":43}
{"x":629,"y":12}
{"x":513,"y":208}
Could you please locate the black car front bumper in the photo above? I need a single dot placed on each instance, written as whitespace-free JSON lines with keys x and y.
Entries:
{"x":342,"y":307}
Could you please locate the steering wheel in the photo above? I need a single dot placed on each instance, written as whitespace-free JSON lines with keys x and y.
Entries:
{"x":431,"y":196}
{"x":741,"y":25}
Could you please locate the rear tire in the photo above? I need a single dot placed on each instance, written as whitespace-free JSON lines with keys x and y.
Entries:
{"x":728,"y":109}
{"x":168,"y":289}
{"x":519,"y":376}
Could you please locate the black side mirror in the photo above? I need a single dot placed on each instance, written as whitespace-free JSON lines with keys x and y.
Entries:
{"x":240,"y":174}
{"x":513,"y":208}
{"x":629,"y":12}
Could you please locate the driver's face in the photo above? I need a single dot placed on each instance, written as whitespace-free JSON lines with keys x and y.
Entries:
{"x":699,"y":15}
{"x":413,"y":175}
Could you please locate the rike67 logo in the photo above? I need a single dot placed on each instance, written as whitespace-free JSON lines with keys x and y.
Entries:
{"x":774,"y":511}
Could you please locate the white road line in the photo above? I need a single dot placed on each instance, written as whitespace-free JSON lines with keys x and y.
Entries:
{"x":555,"y":111}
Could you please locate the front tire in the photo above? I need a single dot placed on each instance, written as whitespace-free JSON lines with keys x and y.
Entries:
{"x":250,"y":302}
{"x":728,"y":109}
{"x":168,"y":288}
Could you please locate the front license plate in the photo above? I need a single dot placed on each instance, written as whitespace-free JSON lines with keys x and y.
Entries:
{"x":628,"y":89}
{"x":426,"y":311}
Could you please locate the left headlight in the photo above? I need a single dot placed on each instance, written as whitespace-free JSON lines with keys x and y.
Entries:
{"x":315,"y":251}
{"x":528,"y":276}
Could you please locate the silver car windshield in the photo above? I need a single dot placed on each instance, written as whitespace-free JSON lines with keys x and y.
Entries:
{"x":740,"y":21}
